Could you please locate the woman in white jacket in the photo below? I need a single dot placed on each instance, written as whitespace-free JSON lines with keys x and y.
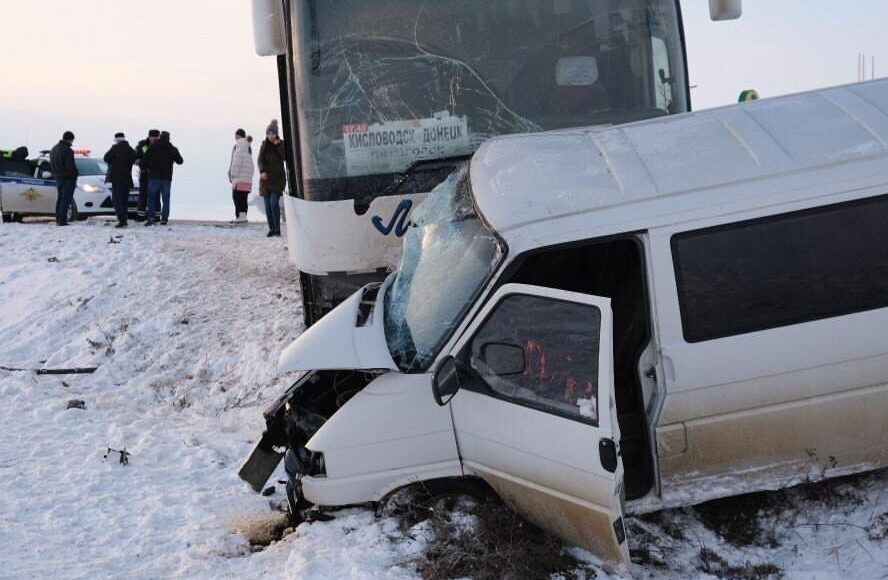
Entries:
{"x":240,"y":174}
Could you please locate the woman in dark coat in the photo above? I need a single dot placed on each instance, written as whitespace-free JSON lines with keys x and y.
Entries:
{"x":272,"y":177}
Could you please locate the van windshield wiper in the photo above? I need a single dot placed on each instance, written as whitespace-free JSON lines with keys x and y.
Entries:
{"x":425,"y":166}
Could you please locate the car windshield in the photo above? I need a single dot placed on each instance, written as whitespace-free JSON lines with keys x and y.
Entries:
{"x":383,"y":84}
{"x":448,"y":256}
{"x":88,"y":166}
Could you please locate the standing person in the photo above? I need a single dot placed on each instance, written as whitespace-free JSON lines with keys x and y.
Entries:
{"x":160,"y":159}
{"x":272,"y":176}
{"x":240,"y":174}
{"x":120,"y":159}
{"x":61,"y":160}
{"x":141,"y":150}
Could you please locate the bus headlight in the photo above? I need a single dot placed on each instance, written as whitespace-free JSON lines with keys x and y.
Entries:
{"x":91,"y":188}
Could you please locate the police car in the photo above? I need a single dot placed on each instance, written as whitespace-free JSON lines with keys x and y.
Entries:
{"x":27,"y":187}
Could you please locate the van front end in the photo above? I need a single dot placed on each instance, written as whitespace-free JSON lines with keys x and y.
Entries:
{"x":353,"y":433}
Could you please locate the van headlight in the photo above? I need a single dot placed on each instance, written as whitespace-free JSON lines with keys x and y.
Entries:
{"x":90,"y":188}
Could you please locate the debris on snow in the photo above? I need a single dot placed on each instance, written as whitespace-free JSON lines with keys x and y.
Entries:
{"x":76,"y":404}
{"x":123,"y":455}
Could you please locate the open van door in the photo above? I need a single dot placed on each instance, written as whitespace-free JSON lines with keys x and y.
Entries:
{"x":535,"y":414}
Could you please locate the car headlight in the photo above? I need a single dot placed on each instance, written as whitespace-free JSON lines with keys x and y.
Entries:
{"x":91,"y":188}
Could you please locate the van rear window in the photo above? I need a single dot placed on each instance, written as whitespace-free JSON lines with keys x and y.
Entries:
{"x":781,"y":270}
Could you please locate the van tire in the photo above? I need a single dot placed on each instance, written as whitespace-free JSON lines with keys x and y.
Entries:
{"x":470,"y":486}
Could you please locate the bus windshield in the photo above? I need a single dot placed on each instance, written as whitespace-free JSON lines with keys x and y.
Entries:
{"x":382,"y":85}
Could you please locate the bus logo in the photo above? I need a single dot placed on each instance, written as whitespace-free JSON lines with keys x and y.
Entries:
{"x":398,"y":222}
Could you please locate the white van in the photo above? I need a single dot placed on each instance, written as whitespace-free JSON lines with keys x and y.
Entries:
{"x":619,"y":319}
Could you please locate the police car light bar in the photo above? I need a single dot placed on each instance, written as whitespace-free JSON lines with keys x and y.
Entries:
{"x":82,"y":151}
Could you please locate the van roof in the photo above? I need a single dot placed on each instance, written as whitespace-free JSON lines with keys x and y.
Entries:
{"x":521,"y":179}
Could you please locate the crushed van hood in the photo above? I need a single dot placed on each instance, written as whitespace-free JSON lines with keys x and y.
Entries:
{"x":349,"y":337}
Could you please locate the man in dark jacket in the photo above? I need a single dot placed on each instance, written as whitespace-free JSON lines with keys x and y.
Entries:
{"x":141,"y":150}
{"x":120,"y":159}
{"x":160,"y":159}
{"x":64,"y":170}
{"x":272,"y":177}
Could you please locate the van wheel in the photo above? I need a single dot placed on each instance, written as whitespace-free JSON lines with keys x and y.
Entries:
{"x":9,"y":217}
{"x":423,"y":493}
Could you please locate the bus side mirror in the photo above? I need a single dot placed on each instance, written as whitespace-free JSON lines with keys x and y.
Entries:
{"x":725,"y":9}
{"x":268,"y":28}
{"x":445,"y":383}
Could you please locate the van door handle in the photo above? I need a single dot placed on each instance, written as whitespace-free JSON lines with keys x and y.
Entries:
{"x":607,"y":453}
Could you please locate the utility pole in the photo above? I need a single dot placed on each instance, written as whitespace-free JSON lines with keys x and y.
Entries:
{"x":861,"y":67}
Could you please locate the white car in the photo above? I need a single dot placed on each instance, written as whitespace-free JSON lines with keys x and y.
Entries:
{"x":27,"y":188}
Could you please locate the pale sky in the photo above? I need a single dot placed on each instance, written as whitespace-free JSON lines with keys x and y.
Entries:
{"x":188,"y":66}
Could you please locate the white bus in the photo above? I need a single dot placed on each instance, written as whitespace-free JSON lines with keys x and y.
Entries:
{"x":383,"y":100}
{"x":696,"y":307}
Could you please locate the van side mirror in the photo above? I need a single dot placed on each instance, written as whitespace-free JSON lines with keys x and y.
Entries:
{"x":445,"y":382}
{"x":725,"y":9}
{"x":503,"y":359}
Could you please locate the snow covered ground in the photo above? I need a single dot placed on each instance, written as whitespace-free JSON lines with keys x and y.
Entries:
{"x":185,"y":324}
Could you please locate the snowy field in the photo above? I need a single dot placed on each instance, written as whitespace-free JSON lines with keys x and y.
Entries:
{"x":184,"y":325}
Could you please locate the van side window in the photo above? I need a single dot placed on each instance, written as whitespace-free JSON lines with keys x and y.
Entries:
{"x":780,"y":270}
{"x":541,"y":352}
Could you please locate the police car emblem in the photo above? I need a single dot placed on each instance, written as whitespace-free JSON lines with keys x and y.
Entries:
{"x":31,"y":194}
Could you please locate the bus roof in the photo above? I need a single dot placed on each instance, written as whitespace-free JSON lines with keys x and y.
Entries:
{"x":518,"y":180}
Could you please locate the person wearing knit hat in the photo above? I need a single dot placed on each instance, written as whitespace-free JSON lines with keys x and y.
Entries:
{"x":240,"y":175}
{"x":272,"y":177}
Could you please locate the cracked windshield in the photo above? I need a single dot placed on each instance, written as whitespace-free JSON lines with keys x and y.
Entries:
{"x":448,"y":255}
{"x":380,"y":92}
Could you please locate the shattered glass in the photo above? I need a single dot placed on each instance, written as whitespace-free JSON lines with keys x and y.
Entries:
{"x":387,"y":83}
{"x":448,"y":256}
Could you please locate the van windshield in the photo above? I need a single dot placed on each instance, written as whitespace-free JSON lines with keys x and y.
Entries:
{"x":449,"y":254}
